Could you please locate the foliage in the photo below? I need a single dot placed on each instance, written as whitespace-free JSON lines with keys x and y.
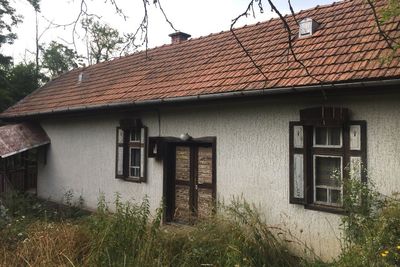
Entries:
{"x":9,"y":19}
{"x":58,"y":58}
{"x":391,"y":10}
{"x":13,"y":86}
{"x":371,"y":227}
{"x":18,"y":81}
{"x":117,"y":239}
{"x":131,"y":236}
{"x":104,"y":41}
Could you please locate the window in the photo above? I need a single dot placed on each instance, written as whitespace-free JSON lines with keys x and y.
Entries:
{"x":327,"y":136}
{"x":131,"y":152}
{"x":324,"y":145}
{"x":327,"y":179}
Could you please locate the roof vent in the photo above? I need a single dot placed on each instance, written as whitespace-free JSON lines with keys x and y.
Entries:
{"x":307,"y":27}
{"x":81,"y":77}
{"x":179,"y":37}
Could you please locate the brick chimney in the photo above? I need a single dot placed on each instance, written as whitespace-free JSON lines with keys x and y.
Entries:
{"x":179,"y":37}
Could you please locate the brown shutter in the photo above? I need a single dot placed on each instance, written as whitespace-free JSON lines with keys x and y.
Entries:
{"x":357,"y":149}
{"x":297,"y":163}
{"x":143,"y":154}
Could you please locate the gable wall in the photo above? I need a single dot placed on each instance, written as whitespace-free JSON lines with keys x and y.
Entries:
{"x":252,"y":157}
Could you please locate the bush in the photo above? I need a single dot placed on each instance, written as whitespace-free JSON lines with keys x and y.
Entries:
{"x":371,"y":227}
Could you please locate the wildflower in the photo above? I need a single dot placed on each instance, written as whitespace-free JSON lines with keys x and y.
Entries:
{"x":398,"y":247}
{"x":19,"y":234}
{"x":385,"y":253}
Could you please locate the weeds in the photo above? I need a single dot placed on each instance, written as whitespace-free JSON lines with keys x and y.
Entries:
{"x":371,"y":227}
{"x":133,"y":236}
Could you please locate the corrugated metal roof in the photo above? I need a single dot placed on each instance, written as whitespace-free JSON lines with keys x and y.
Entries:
{"x":16,"y":138}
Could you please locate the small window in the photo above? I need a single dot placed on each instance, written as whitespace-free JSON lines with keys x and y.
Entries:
{"x":130,"y":155}
{"x":327,"y":137}
{"x":135,"y":135}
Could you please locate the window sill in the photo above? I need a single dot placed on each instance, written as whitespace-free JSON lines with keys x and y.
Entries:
{"x":133,"y":180}
{"x":329,"y":209}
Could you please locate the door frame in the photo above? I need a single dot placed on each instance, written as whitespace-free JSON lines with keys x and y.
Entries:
{"x":169,"y":169}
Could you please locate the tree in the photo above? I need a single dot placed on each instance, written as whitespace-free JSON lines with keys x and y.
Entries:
{"x":104,"y":41}
{"x":8,"y":91}
{"x":20,"y":80}
{"x":9,"y":19}
{"x":58,"y":58}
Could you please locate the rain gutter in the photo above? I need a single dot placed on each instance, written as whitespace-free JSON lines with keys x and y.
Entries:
{"x":205,"y":97}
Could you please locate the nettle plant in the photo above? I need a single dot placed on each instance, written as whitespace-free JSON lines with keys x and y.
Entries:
{"x":371,"y":225}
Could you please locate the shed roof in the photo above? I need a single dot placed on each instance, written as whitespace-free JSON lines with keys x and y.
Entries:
{"x":17,"y":138}
{"x":347,"y":47}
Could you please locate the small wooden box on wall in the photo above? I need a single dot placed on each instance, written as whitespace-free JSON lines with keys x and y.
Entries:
{"x":156,"y":147}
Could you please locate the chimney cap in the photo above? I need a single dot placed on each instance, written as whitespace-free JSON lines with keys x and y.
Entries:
{"x":178,"y":37}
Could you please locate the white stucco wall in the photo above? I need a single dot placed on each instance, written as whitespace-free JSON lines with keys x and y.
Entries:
{"x":252,"y":157}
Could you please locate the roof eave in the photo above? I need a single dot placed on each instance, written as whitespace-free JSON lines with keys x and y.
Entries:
{"x":204,"y":97}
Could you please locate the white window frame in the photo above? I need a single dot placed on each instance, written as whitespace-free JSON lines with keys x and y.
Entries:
{"x":328,"y":196}
{"x":130,"y":167}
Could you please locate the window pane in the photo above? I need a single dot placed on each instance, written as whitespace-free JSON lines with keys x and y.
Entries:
{"x":320,"y":136}
{"x":334,"y":136}
{"x":321,"y":195}
{"x":134,"y":172}
{"x":135,"y":135}
{"x":336,"y":196}
{"x":135,"y":157}
{"x":327,"y":171}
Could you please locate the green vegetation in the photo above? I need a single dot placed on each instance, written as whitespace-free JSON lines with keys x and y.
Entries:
{"x":371,"y":227}
{"x":46,"y":236}
{"x":36,"y":233}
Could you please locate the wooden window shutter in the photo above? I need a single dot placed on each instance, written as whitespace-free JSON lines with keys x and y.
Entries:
{"x":297,"y":163}
{"x":357,"y":149}
{"x":120,"y":150}
{"x":143,"y":153}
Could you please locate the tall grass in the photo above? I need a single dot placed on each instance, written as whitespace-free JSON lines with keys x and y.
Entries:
{"x":133,"y":236}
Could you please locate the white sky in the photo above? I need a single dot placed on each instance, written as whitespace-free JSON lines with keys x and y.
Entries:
{"x":195,"y":17}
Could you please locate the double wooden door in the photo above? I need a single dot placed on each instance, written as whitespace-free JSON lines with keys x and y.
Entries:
{"x":193,"y":182}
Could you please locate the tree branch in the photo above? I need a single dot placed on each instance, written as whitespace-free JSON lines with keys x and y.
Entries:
{"x":389,"y":41}
{"x":245,"y":14}
{"x":290,"y":40}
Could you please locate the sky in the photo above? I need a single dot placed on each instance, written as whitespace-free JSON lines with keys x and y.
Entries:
{"x":195,"y":17}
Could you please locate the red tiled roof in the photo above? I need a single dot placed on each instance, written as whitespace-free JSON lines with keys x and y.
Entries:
{"x":346,"y":47}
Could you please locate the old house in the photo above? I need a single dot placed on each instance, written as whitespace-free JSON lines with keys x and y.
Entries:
{"x":198,"y":120}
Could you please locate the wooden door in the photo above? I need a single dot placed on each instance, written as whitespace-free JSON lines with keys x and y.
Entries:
{"x":193,"y":182}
